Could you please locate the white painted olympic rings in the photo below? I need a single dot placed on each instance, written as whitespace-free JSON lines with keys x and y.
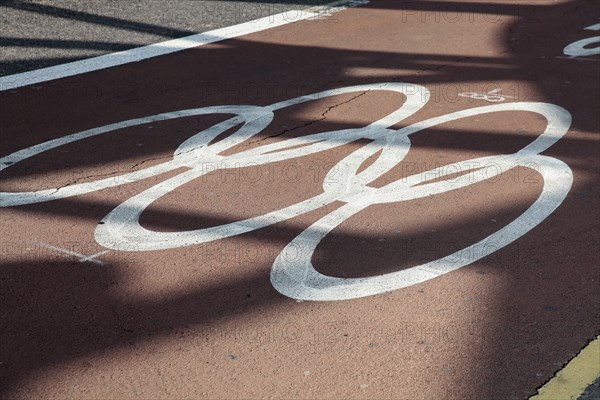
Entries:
{"x":295,"y":276}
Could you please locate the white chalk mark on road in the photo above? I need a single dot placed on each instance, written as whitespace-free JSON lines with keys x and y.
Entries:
{"x":82,"y":257}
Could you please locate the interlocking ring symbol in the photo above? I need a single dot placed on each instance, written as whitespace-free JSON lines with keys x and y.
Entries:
{"x":295,"y":276}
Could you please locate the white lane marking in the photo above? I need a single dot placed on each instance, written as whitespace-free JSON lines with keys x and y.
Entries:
{"x":153,"y":50}
{"x":293,"y":274}
{"x":81,"y":257}
{"x":171,"y":46}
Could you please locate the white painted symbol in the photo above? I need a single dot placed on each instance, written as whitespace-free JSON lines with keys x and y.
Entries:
{"x":493,"y":96}
{"x":293,"y":273}
{"x":581,"y":48}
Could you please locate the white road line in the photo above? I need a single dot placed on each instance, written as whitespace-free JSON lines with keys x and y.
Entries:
{"x":168,"y":47}
{"x":153,"y":50}
{"x":82,"y":257}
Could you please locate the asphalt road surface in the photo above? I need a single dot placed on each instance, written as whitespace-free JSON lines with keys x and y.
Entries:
{"x":37,"y":34}
{"x":393,"y":200}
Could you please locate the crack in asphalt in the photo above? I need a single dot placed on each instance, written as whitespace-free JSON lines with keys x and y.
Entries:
{"x":116,"y":172}
{"x":323,"y":116}
{"x":107,"y":174}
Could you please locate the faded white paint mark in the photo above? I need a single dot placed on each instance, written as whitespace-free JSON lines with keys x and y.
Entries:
{"x":81,"y":257}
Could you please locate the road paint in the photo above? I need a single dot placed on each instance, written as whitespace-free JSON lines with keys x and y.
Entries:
{"x":292,"y":273}
{"x":150,"y":51}
{"x":93,"y":257}
{"x":580,"y":48}
{"x":493,"y":96}
{"x":571,"y":381}
{"x":81,"y":257}
{"x":171,"y":46}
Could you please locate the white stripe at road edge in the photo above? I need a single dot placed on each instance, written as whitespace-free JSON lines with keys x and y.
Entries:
{"x":153,"y":50}
{"x":163,"y":48}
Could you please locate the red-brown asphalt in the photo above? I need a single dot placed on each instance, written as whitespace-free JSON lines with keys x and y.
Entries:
{"x":204,"y":320}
